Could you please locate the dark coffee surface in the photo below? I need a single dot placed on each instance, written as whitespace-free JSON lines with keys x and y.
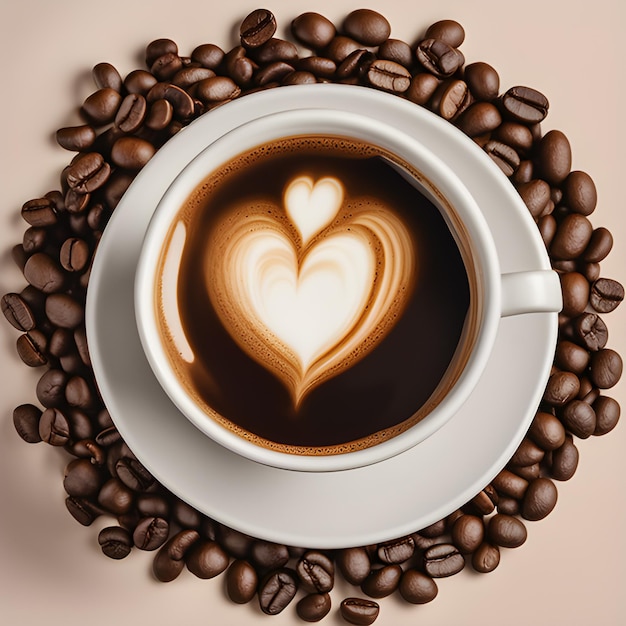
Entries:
{"x":381,"y":390}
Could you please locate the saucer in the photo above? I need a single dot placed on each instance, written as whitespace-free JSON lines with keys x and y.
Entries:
{"x":331,"y":509}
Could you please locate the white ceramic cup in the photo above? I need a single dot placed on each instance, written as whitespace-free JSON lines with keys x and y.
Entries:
{"x":494,"y":295}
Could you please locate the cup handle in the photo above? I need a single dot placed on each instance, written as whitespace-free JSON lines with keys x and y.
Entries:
{"x":536,"y":291}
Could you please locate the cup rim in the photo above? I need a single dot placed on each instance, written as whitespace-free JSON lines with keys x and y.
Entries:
{"x":323,"y":121}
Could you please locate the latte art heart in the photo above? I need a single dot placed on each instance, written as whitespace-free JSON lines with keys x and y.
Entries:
{"x":310,"y":288}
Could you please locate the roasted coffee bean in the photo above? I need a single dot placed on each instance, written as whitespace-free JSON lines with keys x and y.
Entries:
{"x":82,"y":478}
{"x":131,"y":113}
{"x":564,"y":460}
{"x":482,"y":80}
{"x":188,"y":76}
{"x":108,"y":437}
{"x":396,"y":551}
{"x":169,"y":561}
{"x":527,"y":453}
{"x":504,"y":156}
{"x":486,"y":558}
{"x":314,"y":607}
{"x":389,"y":76}
{"x":442,"y":560}
{"x":74,"y":254}
{"x":159,"y":115}
{"x":591,"y":271}
{"x":525,"y":105}
{"x":158,"y":48}
{"x":579,"y":193}
{"x":60,"y":342}
{"x":524,"y":174}
{"x":54,"y":427}
{"x":82,"y":510}
{"x":607,"y":415}
{"x":316,"y":571}
{"x":152,"y":505}
{"x":354,"y":564}
{"x":509,"y":484}
{"x":80,"y":424}
{"x":340,"y":47}
{"x":268,"y":555}
{"x":508,"y":505}
{"x":571,"y":357}
{"x":506,"y":531}
{"x":355,"y":64}
{"x":422,"y":88}
{"x":257,"y":28}
{"x":51,"y":388}
{"x":417,"y":588}
{"x":236,"y":543}
{"x":468,"y":533}
{"x":89,"y":449}
{"x":554,"y":157}
{"x":241,"y":581}
{"x":579,"y":418}
{"x":17,"y":312}
{"x":359,"y":611}
{"x":448,"y":31}
{"x":539,"y":500}
{"x":115,"y":542}
{"x":479,"y":118}
{"x":133,"y":474}
{"x":185,"y":515}
{"x":606,"y":295}
{"x":536,"y":195}
{"x":591,"y":331}
{"x":367,"y":27}
{"x":102,"y":105}
{"x":455,"y":98}
{"x":435,"y":530}
{"x":208,"y":55}
{"x":77,"y":138}
{"x":485,"y":501}
{"x":76,"y":202}
{"x":313,"y":30}
{"x":140,"y":82}
{"x":64,"y":311}
{"x":88,"y":172}
{"x":277,"y":590}
{"x":318,"y":66}
{"x":206,"y":559}
{"x":106,"y":76}
{"x":180,"y":100}
{"x":605,"y":368}
{"x":575,"y":288}
{"x":115,"y":497}
{"x":437,"y":57}
{"x":44,"y":273}
{"x":132,"y":153}
{"x":217,"y":89}
{"x":547,"y":431}
{"x":40,"y":212}
{"x":273,"y":72}
{"x":275,"y":49}
{"x":561,"y":388}
{"x":239,"y":67}
{"x":26,"y":421}
{"x":382,"y":582}
{"x":397,"y":51}
{"x":527,"y":472}
{"x":299,"y":78}
{"x":587,"y":391}
{"x":515,"y":135}
{"x":599,"y":246}
{"x":34,"y":239}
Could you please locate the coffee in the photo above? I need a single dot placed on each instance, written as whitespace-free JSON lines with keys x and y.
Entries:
{"x":311,"y":298}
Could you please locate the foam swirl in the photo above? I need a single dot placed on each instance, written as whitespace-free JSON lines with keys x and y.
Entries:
{"x":310,"y":288}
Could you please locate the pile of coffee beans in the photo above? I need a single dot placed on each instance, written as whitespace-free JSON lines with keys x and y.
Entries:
{"x":126,"y":120}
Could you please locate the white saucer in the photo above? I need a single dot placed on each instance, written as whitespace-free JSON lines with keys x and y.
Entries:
{"x":332,"y":509}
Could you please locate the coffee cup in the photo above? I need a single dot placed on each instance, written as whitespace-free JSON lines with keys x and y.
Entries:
{"x":317,"y":291}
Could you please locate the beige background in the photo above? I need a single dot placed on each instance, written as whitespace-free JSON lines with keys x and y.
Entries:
{"x":571,"y":570}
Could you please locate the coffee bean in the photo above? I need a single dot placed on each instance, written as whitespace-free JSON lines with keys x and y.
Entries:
{"x":185,"y":515}
{"x":367,"y":27}
{"x":299,"y":78}
{"x":600,"y":244}
{"x":105,"y":75}
{"x":417,"y":588}
{"x":448,"y":31}
{"x":44,"y":273}
{"x":575,"y":289}
{"x":189,"y":76}
{"x":40,"y":212}
{"x":359,"y":611}
{"x":572,"y":237}
{"x":484,"y":502}
{"x":468,"y":533}
{"x":607,"y":415}
{"x":54,"y":427}
{"x":131,"y":152}
{"x":482,"y":80}
{"x":257,"y":28}
{"x":241,"y":581}
{"x":605,"y":368}
{"x":115,"y":542}
{"x":102,"y":105}
{"x":26,"y":421}
{"x":208,"y":55}
{"x":89,"y":449}
{"x":382,"y":582}
{"x":74,"y":254}
{"x":152,"y":505}
{"x":354,"y":564}
{"x":34,"y":239}
{"x":51,"y":389}
{"x":314,"y":607}
{"x":506,"y":531}
{"x":159,"y":115}
{"x":571,"y":357}
{"x":313,"y":30}
{"x":508,"y":505}
{"x":588,"y":393}
{"x":166,"y":66}
{"x":443,"y":560}
{"x":239,"y":67}
{"x":206,"y":559}
{"x":527,"y":453}
{"x":527,"y":472}
{"x":516,"y":136}
{"x":316,"y":571}
{"x":131,"y":113}
{"x":158,"y":48}
{"x":77,"y":138}
{"x":115,"y":497}
{"x":236,"y":543}
{"x":606,"y":295}
{"x":547,"y":431}
{"x":277,"y":590}
{"x":561,"y":388}
{"x":82,"y":478}
{"x":82,"y":510}
{"x":509,"y":484}
{"x":169,"y":561}
{"x":437,"y":57}
{"x":389,"y":76}
{"x":579,"y":193}
{"x":554,"y":157}
{"x":275,"y":49}
{"x":182,"y":103}
{"x":396,"y":551}
{"x":64,"y":311}
{"x":455,"y":98}
{"x":590,"y":331}
{"x":397,"y":51}
{"x":321,"y":67}
{"x":133,"y":474}
{"x":486,"y":558}
{"x":76,"y":202}
{"x":17,"y":312}
{"x":217,"y":89}
{"x":479,"y":118}
{"x":525,"y":105}
{"x":140,"y":82}
{"x":564,"y":460}
{"x":579,"y":418}
{"x":503,"y":156}
{"x":540,"y":499}
{"x":536,"y":195}
{"x":268,"y":555}
{"x":422,"y":88}
{"x":435,"y":530}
